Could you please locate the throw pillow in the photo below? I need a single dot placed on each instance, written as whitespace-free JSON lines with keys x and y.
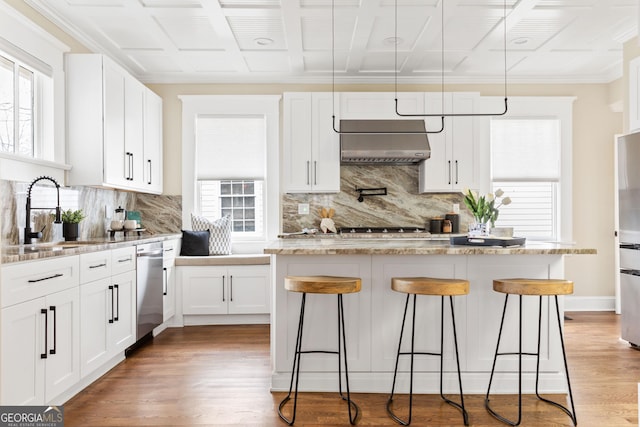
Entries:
{"x":220,"y":233}
{"x":195,"y":243}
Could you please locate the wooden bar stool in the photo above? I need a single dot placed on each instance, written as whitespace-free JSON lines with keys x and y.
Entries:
{"x":321,"y":285}
{"x":540,"y":288}
{"x":437,"y":287}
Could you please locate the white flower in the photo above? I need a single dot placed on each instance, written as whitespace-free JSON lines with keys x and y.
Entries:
{"x":499,"y":192}
{"x":490,"y":197}
{"x":506,"y":200}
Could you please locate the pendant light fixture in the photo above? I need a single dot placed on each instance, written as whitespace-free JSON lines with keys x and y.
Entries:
{"x":333,"y":91}
{"x":443,"y":114}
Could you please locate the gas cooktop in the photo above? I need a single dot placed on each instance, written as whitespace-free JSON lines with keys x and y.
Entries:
{"x":382,"y":230}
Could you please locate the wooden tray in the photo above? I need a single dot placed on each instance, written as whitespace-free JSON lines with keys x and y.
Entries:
{"x":488,"y":241}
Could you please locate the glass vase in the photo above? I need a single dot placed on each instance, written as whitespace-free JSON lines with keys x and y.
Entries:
{"x":478,"y":229}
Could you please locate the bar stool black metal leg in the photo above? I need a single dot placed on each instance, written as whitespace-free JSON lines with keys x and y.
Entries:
{"x":295,"y":370}
{"x":341,"y":326}
{"x":460,"y":406}
{"x":497,"y":353}
{"x":572,"y":413}
{"x":395,"y":372}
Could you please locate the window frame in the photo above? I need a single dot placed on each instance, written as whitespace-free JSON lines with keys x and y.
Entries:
{"x":233,"y":105}
{"x":536,"y":107}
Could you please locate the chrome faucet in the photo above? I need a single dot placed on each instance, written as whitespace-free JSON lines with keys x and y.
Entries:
{"x":28,"y":234}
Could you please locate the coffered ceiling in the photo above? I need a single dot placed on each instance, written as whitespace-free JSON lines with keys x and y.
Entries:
{"x":290,"y":41}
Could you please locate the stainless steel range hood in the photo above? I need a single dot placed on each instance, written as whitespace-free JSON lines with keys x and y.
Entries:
{"x":383,"y":142}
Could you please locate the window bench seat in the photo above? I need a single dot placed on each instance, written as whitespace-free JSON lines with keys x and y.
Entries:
{"x":223,"y":289}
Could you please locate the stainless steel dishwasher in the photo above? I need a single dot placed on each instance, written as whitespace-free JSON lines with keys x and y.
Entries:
{"x":149,"y":288}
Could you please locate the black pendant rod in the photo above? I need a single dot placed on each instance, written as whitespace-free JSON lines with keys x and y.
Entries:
{"x":443,"y":114}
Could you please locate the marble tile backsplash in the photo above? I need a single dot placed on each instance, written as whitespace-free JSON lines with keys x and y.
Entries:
{"x":401,"y":206}
{"x":160,"y":214}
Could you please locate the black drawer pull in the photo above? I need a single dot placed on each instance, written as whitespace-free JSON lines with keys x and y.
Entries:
{"x":124,"y":259}
{"x":46,"y":332}
{"x":104,"y":264}
{"x":112,"y":304}
{"x":45,"y":278}
{"x":55,"y":327}
{"x":116,"y":288}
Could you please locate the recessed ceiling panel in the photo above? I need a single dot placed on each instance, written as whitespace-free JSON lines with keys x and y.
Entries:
{"x":401,"y":3}
{"x":107,"y":3}
{"x":128,"y":32}
{"x":190,"y":33}
{"x":432,"y":62}
{"x":488,"y":64}
{"x":323,"y":62}
{"x":317,"y":32}
{"x":250,"y":3}
{"x":249,"y":30}
{"x":384,"y":32}
{"x":327,"y":3}
{"x":172,"y":3}
{"x":464,"y":32}
{"x":381,"y":61}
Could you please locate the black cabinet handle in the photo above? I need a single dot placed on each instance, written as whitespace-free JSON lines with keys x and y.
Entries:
{"x":128,"y":166}
{"x":456,"y":172}
{"x":104,"y":264}
{"x":149,"y":182}
{"x":117,"y":288}
{"x":166,"y":284}
{"x":46,"y":332}
{"x":55,"y":328}
{"x":231,"y":288}
{"x":45,"y":278}
{"x":449,"y":171}
{"x":112,"y":307}
{"x":223,"y":289}
{"x":124,"y":259}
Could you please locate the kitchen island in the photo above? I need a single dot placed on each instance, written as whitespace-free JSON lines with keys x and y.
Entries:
{"x":374,"y":315}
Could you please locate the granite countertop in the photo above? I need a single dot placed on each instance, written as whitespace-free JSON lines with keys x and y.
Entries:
{"x":402,"y":246}
{"x":20,"y":253}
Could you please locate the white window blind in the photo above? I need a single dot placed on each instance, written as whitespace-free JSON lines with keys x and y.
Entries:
{"x":230,"y":147}
{"x":525,"y":164}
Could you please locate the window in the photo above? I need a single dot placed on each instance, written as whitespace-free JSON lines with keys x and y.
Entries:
{"x":16,"y":108}
{"x":526,"y":165}
{"x":240,"y":199}
{"x":230,"y":145}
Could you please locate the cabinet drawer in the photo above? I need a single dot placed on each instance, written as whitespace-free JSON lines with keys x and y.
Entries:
{"x":123,"y":259}
{"x":94,"y":266}
{"x":170,"y":249}
{"x":29,"y":280}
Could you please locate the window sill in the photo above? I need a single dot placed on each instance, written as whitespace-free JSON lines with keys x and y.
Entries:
{"x":18,"y":168}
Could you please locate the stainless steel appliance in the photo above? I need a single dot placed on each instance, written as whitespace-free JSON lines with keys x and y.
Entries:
{"x":629,"y":232}
{"x":149,"y":287}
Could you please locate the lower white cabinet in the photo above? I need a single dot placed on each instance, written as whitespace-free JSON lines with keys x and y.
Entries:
{"x":40,"y":331}
{"x":225,"y":290}
{"x":108,"y":318}
{"x":170,"y":249}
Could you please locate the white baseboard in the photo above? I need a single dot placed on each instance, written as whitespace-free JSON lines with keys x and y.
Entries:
{"x":574,"y":303}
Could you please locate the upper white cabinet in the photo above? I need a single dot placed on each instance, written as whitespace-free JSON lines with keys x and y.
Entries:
{"x":454,"y":163}
{"x":634,"y":95}
{"x":311,"y":147}
{"x":113,"y":127}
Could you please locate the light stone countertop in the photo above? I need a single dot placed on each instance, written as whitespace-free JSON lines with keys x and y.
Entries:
{"x":403,"y":246}
{"x":20,"y":253}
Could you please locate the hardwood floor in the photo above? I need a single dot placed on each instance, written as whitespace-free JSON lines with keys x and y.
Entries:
{"x":220,"y":376}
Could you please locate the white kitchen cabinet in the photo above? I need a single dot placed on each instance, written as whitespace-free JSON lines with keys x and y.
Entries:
{"x":454,"y":163}
{"x":108,"y":308}
{"x":225,"y":290}
{"x":152,"y":142}
{"x":40,"y":332}
{"x":169,"y":251}
{"x":311,"y":152}
{"x":108,"y":114}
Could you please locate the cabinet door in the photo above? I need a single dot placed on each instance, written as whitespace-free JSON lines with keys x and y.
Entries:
{"x":465,"y":151}
{"x":297,"y":125}
{"x":169,"y":293}
{"x":152,"y":142}
{"x":95,"y":314}
{"x":436,"y":173}
{"x":63,"y":353}
{"x":204,"y":290}
{"x":249,"y":289}
{"x":134,"y":131}
{"x":23,"y":336}
{"x":325,"y":143}
{"x":116,"y":162}
{"x":122,"y":332}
